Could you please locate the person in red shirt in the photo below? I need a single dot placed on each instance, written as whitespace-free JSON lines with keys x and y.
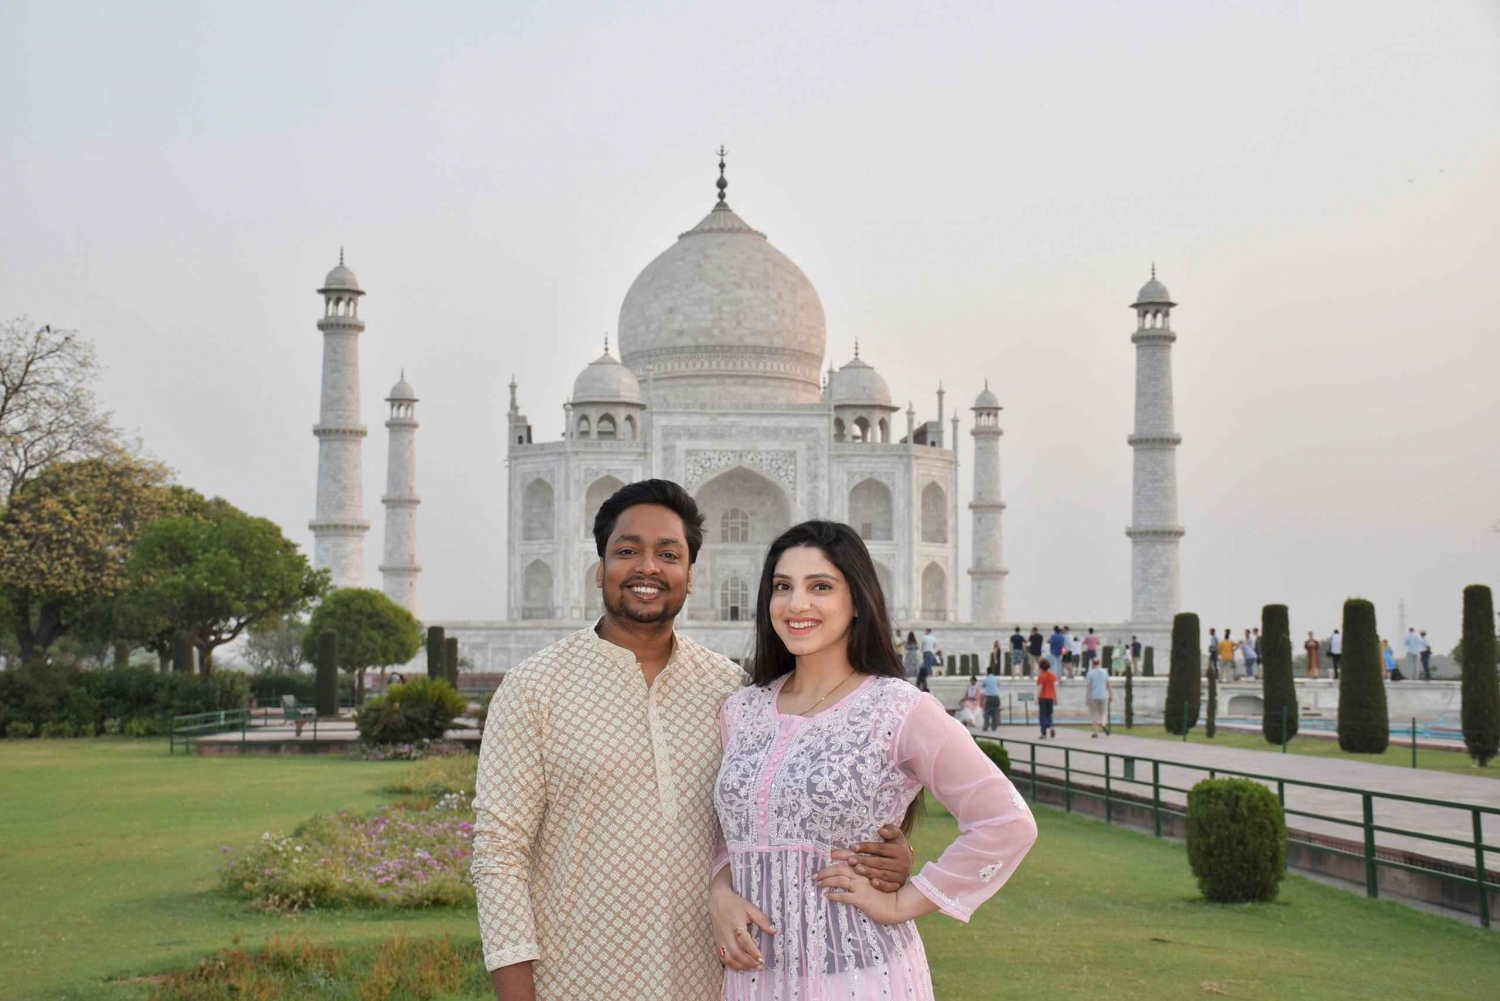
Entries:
{"x":1046,"y":697}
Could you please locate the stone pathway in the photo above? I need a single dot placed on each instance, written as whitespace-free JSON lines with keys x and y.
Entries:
{"x":1447,"y":822}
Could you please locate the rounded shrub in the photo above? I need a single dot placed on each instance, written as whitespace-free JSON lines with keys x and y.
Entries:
{"x":418,"y":710}
{"x":995,"y":753}
{"x":1364,"y":721}
{"x":20,"y":729}
{"x":1236,"y":841}
{"x":1184,"y":681}
{"x":1278,"y":690}
{"x":1480,"y":685}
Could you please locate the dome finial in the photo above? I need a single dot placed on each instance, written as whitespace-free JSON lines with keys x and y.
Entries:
{"x":723,"y":184}
{"x":606,"y":344}
{"x":341,"y":257}
{"x":1153,"y":271}
{"x":856,"y":347}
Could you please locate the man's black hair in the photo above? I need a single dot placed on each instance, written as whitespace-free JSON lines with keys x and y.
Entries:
{"x":662,"y":492}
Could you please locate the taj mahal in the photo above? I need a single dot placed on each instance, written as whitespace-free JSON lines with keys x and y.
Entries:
{"x":719,"y":384}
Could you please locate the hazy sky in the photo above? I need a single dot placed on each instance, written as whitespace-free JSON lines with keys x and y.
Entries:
{"x":975,"y":190}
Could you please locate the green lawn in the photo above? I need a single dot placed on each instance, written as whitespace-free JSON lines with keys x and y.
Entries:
{"x":108,"y":851}
{"x":1397,"y":754}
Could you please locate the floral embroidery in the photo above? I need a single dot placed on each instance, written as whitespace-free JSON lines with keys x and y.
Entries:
{"x":988,"y":872}
{"x":1019,"y":800}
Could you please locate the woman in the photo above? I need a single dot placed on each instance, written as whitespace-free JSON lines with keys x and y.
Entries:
{"x":828,"y":744}
{"x":1312,"y":648}
{"x":968,"y":708}
{"x":997,"y":659}
{"x":911,"y":660}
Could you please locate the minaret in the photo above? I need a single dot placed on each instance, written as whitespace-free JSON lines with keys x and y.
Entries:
{"x":987,"y":570}
{"x":1155,"y":577}
{"x":339,"y":525}
{"x":939,"y":431}
{"x":399,"y":569}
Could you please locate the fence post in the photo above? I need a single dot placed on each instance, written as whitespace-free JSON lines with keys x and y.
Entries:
{"x":1281,"y":793}
{"x":1156,"y":796}
{"x":1108,"y":810}
{"x":1067,"y":780}
{"x":1372,"y":889}
{"x":1479,"y":876}
{"x":1010,"y":707}
{"x":1414,"y":742}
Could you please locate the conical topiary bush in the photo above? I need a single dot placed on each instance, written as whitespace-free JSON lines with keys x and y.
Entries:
{"x":1211,"y":720}
{"x":1480,"y":687}
{"x":1129,"y":696}
{"x":1278,"y":690}
{"x":436,"y":664}
{"x":328,"y":673}
{"x":1364,"y":721}
{"x":1148,"y":663}
{"x":1184,"y":683}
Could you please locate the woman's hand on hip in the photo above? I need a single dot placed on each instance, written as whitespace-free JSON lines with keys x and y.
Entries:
{"x":887,"y":863}
{"x":733,"y":918}
{"x":843,"y":884}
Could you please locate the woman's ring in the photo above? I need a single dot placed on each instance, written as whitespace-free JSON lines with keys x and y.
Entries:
{"x":739,"y":931}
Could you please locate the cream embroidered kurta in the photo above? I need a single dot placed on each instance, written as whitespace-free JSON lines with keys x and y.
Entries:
{"x":595,"y":828}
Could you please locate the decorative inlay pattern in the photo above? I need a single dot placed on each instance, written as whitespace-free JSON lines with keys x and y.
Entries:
{"x":700,"y":464}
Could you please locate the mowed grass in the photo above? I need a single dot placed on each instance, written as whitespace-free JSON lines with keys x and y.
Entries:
{"x":1398,"y":754}
{"x":108,"y":854}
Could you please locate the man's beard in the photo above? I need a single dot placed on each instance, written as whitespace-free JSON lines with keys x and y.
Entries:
{"x":666,"y":611}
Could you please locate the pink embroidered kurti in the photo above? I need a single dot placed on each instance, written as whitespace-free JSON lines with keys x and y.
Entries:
{"x":791,"y":789}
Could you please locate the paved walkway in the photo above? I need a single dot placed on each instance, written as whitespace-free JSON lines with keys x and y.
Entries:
{"x":1448,"y":822}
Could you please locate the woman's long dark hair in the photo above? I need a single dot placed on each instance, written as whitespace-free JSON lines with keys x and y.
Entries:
{"x":871,"y":650}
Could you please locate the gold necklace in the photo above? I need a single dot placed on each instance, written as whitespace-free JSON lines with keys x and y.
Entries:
{"x":835,"y":688}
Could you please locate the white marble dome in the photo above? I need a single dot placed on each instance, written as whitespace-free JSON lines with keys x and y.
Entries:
{"x":606,"y":381}
{"x":340,"y":279}
{"x":402,"y":392}
{"x":724,"y":318}
{"x":1153,"y":293}
{"x":986,"y":400}
{"x":858,"y":384}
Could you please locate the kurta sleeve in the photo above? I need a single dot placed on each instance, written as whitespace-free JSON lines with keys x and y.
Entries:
{"x":721,"y":853}
{"x":995,"y":827}
{"x":509,"y":801}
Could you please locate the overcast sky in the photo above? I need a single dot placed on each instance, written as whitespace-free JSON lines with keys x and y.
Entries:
{"x":974,"y":189}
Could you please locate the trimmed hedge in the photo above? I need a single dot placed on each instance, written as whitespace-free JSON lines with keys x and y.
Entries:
{"x":61,"y":700}
{"x":1364,"y":720}
{"x":411,"y":712}
{"x":1236,"y":841}
{"x":1184,"y":681}
{"x":996,"y":753}
{"x":450,"y":661}
{"x":436,"y":655}
{"x":1480,"y":685}
{"x":1129,"y":697}
{"x":1210,"y":723}
{"x":1278,"y":690}
{"x":1148,"y":664}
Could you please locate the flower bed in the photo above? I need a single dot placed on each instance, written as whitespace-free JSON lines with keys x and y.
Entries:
{"x":413,"y":854}
{"x":437,"y":776}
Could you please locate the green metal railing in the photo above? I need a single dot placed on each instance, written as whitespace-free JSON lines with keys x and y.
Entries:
{"x":1367,"y":825}
{"x":186,"y":729}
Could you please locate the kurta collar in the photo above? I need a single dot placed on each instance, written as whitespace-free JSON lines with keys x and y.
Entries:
{"x":624,"y":657}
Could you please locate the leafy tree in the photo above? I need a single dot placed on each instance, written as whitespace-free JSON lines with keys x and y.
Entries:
{"x":373,"y":631}
{"x":214,"y":573}
{"x":1184,"y":680}
{"x":275,"y":644}
{"x":66,"y":539}
{"x":1480,"y":685}
{"x":1364,"y":720}
{"x":47,"y":410}
{"x":1278,"y":690}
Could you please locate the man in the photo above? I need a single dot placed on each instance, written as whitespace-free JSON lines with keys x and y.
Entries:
{"x":929,"y":658}
{"x":1017,"y":652}
{"x":1135,"y":650}
{"x":1335,"y":652}
{"x":1414,"y":653}
{"x":1098,"y":698}
{"x":1311,"y":649}
{"x":1226,"y":655}
{"x":991,"y":686}
{"x":1090,"y":648}
{"x":1426,"y":657}
{"x":1034,"y":647}
{"x":1057,"y":643}
{"x":594,"y":808}
{"x":1046,"y":697}
{"x":1248,"y":648}
{"x":1213,"y":650}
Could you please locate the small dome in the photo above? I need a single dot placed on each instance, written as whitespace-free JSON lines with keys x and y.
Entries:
{"x":858,"y":384}
{"x":606,"y":381}
{"x":986,"y":400}
{"x":402,"y":392}
{"x":1153,"y":293}
{"x":340,"y":278}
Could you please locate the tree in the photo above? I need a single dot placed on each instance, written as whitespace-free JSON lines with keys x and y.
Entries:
{"x":275,"y":645}
{"x":212,"y":574}
{"x":66,"y":539}
{"x":373,"y":631}
{"x":1480,"y":685}
{"x":1184,"y":682}
{"x":1364,"y":721}
{"x":1278,"y":690}
{"x":1211,"y":721}
{"x":47,"y":410}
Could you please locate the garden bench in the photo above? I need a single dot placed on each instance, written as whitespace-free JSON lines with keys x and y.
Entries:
{"x":293,"y":713}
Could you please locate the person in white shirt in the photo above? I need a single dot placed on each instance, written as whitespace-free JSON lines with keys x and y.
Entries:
{"x":1414,"y":645}
{"x":1336,"y":651}
{"x":1075,"y":648}
{"x":1426,"y":657}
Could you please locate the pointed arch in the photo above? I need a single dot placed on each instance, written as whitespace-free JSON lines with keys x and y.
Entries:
{"x":838,"y":429}
{"x":583,"y":426}
{"x":630,"y":429}
{"x":861,"y":430}
{"x":870,"y":510}
{"x":934,"y":592}
{"x":537,"y":515}
{"x":934,"y":514}
{"x":606,"y":429}
{"x":593,"y":499}
{"x":883,"y":575}
{"x":536,"y":588}
{"x":766,"y":508}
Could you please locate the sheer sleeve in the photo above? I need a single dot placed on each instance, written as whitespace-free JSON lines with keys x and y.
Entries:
{"x":721,"y":853}
{"x":995,"y":827}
